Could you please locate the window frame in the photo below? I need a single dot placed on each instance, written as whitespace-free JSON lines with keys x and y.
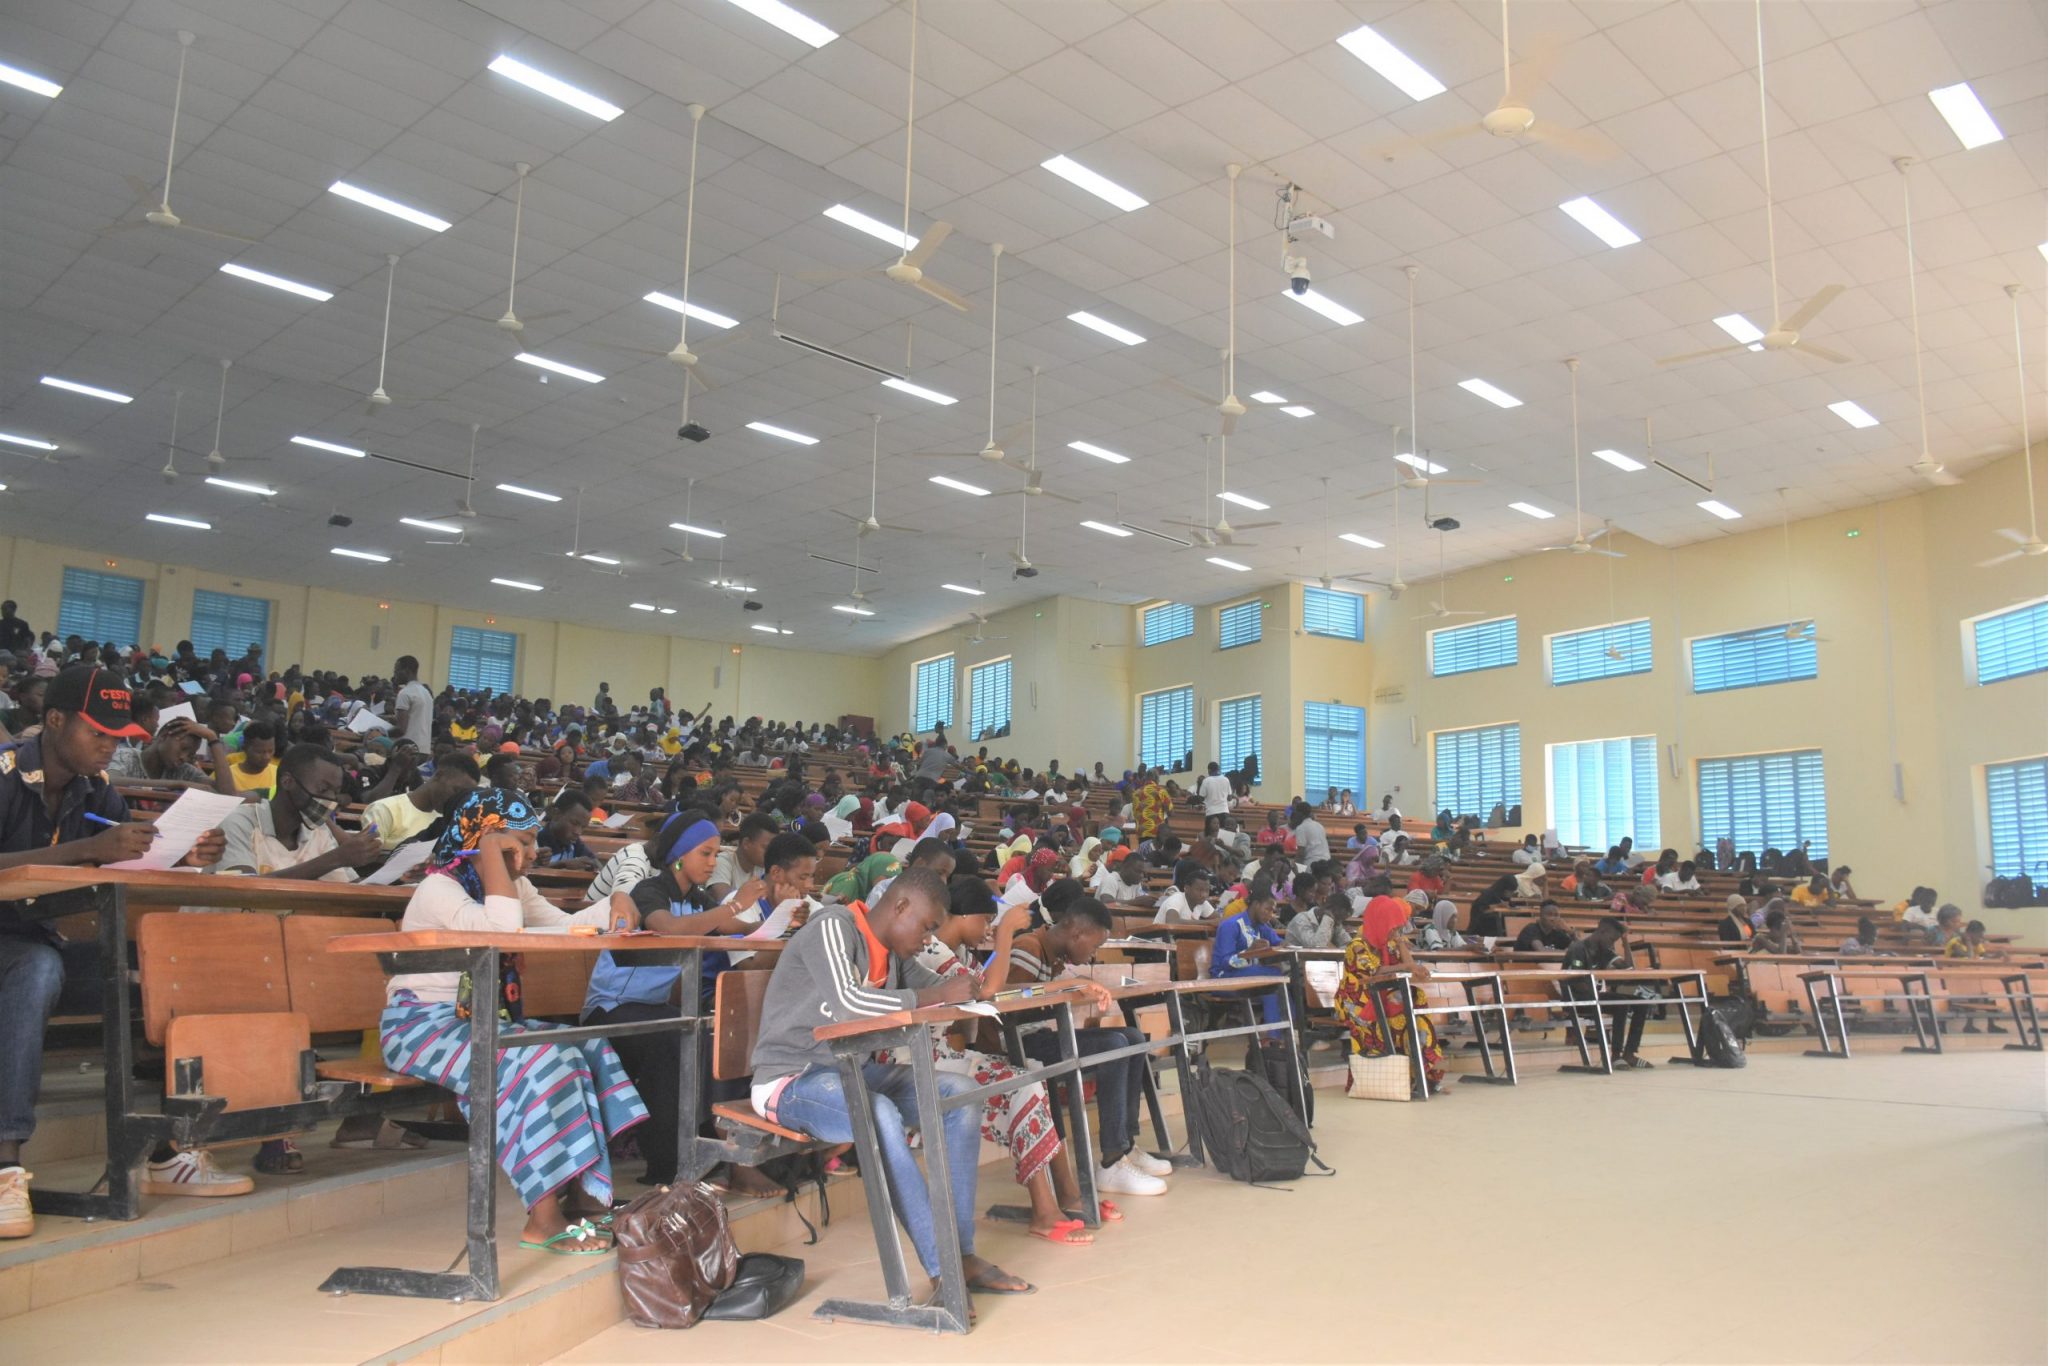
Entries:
{"x":2024,"y":772}
{"x":235,"y":646}
{"x":1758,"y":635}
{"x":92,"y":584}
{"x":1257,"y":612}
{"x":1179,"y":760}
{"x":1178,"y":620}
{"x":1514,"y":658}
{"x":1642,"y":750}
{"x":920,"y":722}
{"x":975,"y":673}
{"x":1766,"y":817}
{"x":1510,"y":761}
{"x":479,"y":656}
{"x":1634,"y":639}
{"x":1353,"y":632}
{"x":1229,"y":757}
{"x":1322,"y":771}
{"x":2035,"y":614}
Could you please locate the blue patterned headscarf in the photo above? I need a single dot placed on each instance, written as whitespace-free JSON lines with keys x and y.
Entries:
{"x":485,"y":810}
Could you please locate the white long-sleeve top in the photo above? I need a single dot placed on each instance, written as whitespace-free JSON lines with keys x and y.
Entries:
{"x":440,"y":903}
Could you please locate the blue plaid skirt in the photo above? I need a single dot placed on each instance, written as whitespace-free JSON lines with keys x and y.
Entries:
{"x":558,"y":1105}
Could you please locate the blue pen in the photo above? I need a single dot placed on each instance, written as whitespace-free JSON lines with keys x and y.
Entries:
{"x":98,"y":819}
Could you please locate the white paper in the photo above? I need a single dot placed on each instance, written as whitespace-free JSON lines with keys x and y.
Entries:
{"x":1018,"y":893}
{"x":981,"y":1008}
{"x":616,"y":819}
{"x":192,"y":689}
{"x":180,"y":825}
{"x":181,"y":712}
{"x":778,"y":921}
{"x":835,"y":827}
{"x":365,"y":723}
{"x":403,"y":860}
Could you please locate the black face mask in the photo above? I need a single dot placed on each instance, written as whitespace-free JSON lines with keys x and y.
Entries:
{"x":314,"y":812}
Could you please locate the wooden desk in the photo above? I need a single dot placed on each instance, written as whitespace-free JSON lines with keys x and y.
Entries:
{"x":853,"y":1042}
{"x":1917,"y":994}
{"x":480,"y":955}
{"x":1597,"y":1003}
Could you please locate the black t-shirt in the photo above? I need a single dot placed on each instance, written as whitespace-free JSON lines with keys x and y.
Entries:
{"x":25,"y":821}
{"x":15,"y":635}
{"x":1485,"y":920}
{"x":1534,"y":937}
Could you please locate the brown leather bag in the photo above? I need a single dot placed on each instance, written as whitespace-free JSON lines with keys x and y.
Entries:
{"x":676,"y":1254}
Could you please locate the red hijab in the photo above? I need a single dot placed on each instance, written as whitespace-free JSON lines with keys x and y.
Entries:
{"x":1383,"y":915}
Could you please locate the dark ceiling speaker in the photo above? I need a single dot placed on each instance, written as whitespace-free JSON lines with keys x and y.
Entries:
{"x":693,"y":431}
{"x":750,"y":606}
{"x":341,"y":519}
{"x":1444,"y":524}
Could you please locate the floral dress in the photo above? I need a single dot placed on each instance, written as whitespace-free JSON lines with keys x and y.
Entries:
{"x":1020,"y":1120}
{"x":1361,"y":961}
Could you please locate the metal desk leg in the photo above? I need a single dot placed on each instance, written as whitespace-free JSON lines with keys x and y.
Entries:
{"x":938,"y":1182}
{"x":1081,"y":1142}
{"x":1811,"y":981}
{"x":481,"y":1248}
{"x":1693,"y":1057}
{"x":898,"y":1311}
{"x":1482,"y":1011}
{"x":2028,"y":1027}
{"x":1597,"y":1007}
{"x":1418,"y":1077}
{"x":1920,"y":1005}
{"x":1575,"y":1013}
{"x":695,"y":1157}
{"x":1177,"y":1022}
{"x":1297,"y":1057}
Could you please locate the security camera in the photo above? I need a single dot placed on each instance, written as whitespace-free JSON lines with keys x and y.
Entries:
{"x":1297,"y":274}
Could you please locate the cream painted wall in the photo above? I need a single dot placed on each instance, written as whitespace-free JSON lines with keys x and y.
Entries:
{"x":1893,"y":686}
{"x":563,"y":660}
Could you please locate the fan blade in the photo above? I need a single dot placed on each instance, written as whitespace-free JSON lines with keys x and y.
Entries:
{"x":928,"y":244}
{"x":1229,"y":424}
{"x":2000,"y":559}
{"x":2011,"y":535}
{"x":945,"y":294}
{"x":1394,"y":148}
{"x":1206,"y":400}
{"x":187,"y":225}
{"x":1041,"y":493}
{"x":1700,"y":355}
{"x":1611,"y":554}
{"x":1806,"y":348}
{"x":1435,"y":483}
{"x":1533,"y":71}
{"x":943,"y":455}
{"x":1597,"y":532}
{"x":1253,"y":526}
{"x":1579,"y":142}
{"x":1810,"y":309}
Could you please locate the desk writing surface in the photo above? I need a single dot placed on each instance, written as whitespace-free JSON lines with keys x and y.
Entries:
{"x":1049,"y":993}
{"x":155,"y":887}
{"x":543,"y":941}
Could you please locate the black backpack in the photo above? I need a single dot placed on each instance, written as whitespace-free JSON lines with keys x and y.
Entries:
{"x":1720,"y":1045}
{"x":1283,"y":1067}
{"x":1248,"y":1132}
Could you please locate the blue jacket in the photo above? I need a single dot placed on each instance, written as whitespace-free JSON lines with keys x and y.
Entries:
{"x":1233,"y":937}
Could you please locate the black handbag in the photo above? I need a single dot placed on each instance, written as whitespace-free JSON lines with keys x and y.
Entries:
{"x":763,"y":1286}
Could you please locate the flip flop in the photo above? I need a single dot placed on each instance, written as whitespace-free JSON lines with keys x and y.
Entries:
{"x":1063,"y":1233}
{"x":981,"y":1285}
{"x":585,"y":1237}
{"x":1107,"y":1212}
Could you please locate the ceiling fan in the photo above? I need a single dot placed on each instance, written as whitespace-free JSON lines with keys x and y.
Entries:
{"x":214,"y":459}
{"x":2030,"y":544}
{"x":1328,"y":580}
{"x":1034,"y":477}
{"x":1927,"y":467}
{"x":993,"y":449}
{"x":1618,"y":653}
{"x":1438,"y":610}
{"x":598,"y":563}
{"x":1512,"y":117}
{"x":1229,"y":408}
{"x":684,"y":556}
{"x":170,"y":469}
{"x":377,"y":397}
{"x":972,"y":635}
{"x":510,"y":319}
{"x":1581,"y":543}
{"x":161,"y":216}
{"x":1784,"y":334}
{"x":871,"y":523}
{"x":1222,"y":532}
{"x":467,"y":509}
{"x":1413,"y":469}
{"x":461,"y":541}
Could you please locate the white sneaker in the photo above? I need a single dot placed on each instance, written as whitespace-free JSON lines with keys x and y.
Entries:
{"x":1147,"y":1163}
{"x":1121,"y":1178}
{"x":192,"y":1173}
{"x":17,"y":1217}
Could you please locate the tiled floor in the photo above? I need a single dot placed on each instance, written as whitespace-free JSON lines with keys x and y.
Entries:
{"x":1891,"y":1208}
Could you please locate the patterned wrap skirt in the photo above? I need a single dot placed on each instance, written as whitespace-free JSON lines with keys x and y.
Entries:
{"x":1019,"y":1121}
{"x":558,"y":1105}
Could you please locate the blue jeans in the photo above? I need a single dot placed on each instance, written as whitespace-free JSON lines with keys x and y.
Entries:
{"x":1119,"y":1084}
{"x":31,"y":979}
{"x":815,"y":1103}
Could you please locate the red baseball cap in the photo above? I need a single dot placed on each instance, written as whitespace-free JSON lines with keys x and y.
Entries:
{"x":96,"y":695}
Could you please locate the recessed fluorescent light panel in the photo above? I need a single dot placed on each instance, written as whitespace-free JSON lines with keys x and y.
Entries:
{"x":1426,"y":466}
{"x":360,"y":555}
{"x":1967,"y":117}
{"x":1852,"y":413}
{"x":1326,"y":306}
{"x":1531,"y":510}
{"x":13,"y":440}
{"x":424,"y":525}
{"x":242,"y":272}
{"x":320,"y":445}
{"x":35,"y":85}
{"x":963,"y":588}
{"x":959,"y":486}
{"x":1498,"y":397}
{"x":1298,"y":410}
{"x":698,"y":531}
{"x":1106,"y":328}
{"x":641,"y":606}
{"x":1106,"y":529}
{"x":370,"y":199}
{"x":697,"y":311}
{"x":1742,"y":329}
{"x":1719,"y":509}
{"x":1396,"y":66}
{"x":904,"y":386}
{"x":554,"y":88}
{"x":668,"y":611}
{"x":525,"y":492}
{"x":599,"y":559}
{"x":517,"y":583}
{"x":1222,"y":563}
{"x":793,"y":22}
{"x":1267,"y":396}
{"x":1599,"y":222}
{"x":773,"y":630}
{"x":169,"y":520}
{"x":851,"y":611}
{"x":787,"y":435}
{"x":239,"y":487}
{"x":1368,"y":542}
{"x":1095,"y":183}
{"x":543,"y":363}
{"x":1238,"y":498}
{"x":75,"y":387}
{"x":1099,"y":452}
{"x":873,"y":227}
{"x":1619,"y":461}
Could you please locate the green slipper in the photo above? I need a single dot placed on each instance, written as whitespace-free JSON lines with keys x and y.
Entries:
{"x":583,"y":1237}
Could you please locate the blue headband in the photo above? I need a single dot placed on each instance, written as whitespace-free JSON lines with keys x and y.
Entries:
{"x":696,"y":833}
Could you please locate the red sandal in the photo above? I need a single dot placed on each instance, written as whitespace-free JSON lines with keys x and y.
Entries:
{"x":1064,"y":1232}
